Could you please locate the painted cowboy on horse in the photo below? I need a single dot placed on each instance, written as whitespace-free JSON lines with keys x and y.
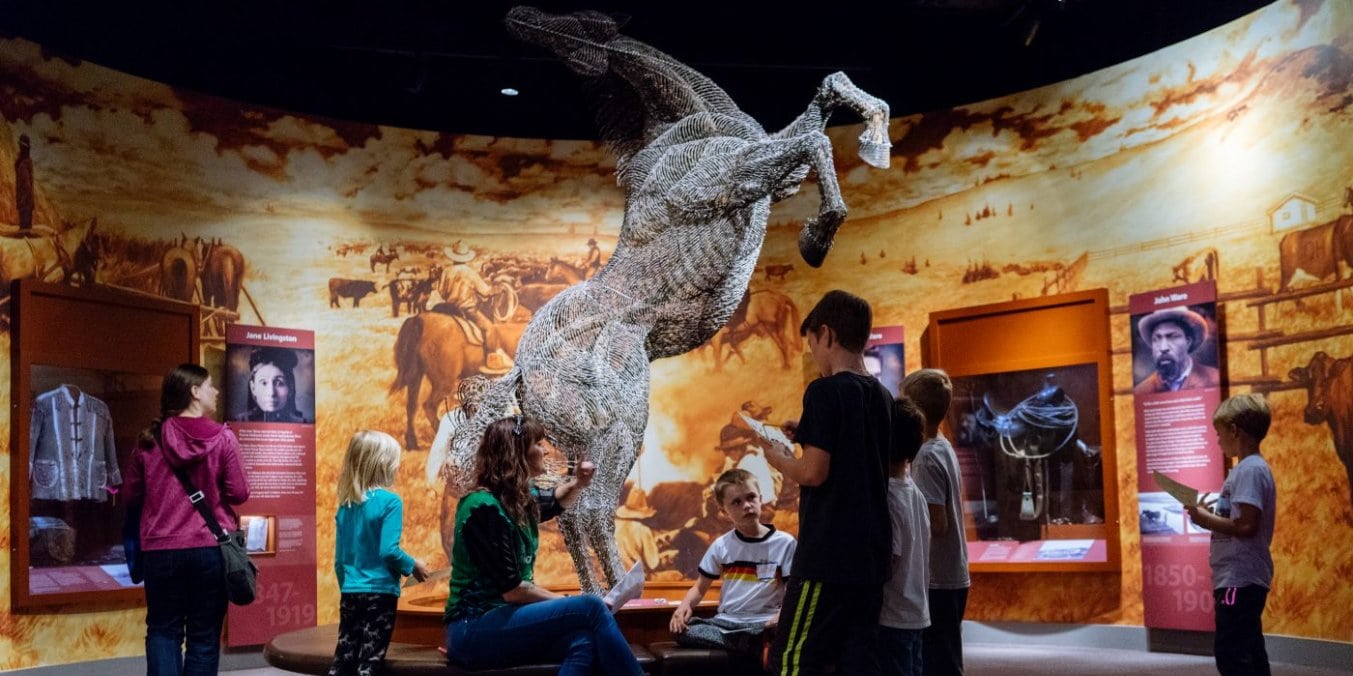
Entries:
{"x":463,"y":289}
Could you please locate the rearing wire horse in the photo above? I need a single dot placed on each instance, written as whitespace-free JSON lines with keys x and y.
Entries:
{"x":699,"y":176}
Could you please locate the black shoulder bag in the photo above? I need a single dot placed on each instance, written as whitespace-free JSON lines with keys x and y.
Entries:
{"x":241,"y":575}
{"x":131,"y":544}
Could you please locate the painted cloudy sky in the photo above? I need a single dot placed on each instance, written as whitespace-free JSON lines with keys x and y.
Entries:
{"x":1129,"y":105}
{"x":158,"y":146}
{"x":1202,"y":135}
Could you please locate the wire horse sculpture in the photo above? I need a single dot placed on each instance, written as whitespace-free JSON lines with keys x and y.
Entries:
{"x":1036,"y":428}
{"x":699,"y":176}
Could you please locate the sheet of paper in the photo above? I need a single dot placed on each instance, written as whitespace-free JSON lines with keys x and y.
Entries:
{"x":627,"y":588}
{"x":1187,"y":495}
{"x":256,"y":537}
{"x":771,"y":433}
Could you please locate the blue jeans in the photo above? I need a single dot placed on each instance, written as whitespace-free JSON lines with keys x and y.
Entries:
{"x":899,"y":651}
{"x":185,"y":599}
{"x":578,"y":632}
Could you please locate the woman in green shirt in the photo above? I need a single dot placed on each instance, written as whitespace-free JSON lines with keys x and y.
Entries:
{"x":496,"y":615}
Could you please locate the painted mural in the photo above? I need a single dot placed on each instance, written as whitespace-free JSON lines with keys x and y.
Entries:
{"x":1224,"y":157}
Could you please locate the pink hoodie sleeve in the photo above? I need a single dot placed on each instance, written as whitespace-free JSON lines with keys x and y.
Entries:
{"x":235,"y":487}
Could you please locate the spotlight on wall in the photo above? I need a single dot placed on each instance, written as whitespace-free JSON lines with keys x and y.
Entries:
{"x":508,"y":91}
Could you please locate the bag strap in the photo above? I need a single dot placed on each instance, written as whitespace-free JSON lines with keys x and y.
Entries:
{"x":198,"y":498}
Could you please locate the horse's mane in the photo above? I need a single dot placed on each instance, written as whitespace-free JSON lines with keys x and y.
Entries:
{"x":629,"y":114}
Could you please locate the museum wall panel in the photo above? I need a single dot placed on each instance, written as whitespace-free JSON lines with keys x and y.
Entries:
{"x":1232,"y":144}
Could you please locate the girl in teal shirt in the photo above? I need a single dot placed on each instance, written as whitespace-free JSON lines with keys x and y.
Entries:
{"x":367,"y":557}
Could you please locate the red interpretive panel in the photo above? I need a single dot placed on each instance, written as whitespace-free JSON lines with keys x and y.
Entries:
{"x":270,"y":404}
{"x":1176,"y":387}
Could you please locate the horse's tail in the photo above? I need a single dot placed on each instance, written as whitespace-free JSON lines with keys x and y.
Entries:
{"x":176,"y":274}
{"x":503,"y":397}
{"x":180,"y":275}
{"x":407,"y":373}
{"x":232,"y":277}
{"x":627,"y":74}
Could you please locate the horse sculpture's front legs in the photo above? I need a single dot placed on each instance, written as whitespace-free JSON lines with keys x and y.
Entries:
{"x":753,"y":173}
{"x":835,"y":91}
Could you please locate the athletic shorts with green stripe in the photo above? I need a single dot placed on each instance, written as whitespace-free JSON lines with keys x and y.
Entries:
{"x":826,"y":623}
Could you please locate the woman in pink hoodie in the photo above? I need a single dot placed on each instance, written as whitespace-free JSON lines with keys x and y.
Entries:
{"x":184,"y":573}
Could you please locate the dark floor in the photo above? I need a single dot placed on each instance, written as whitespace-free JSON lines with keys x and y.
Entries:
{"x":993,"y":659}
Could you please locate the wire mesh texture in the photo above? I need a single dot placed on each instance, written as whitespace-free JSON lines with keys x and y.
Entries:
{"x":699,"y":176}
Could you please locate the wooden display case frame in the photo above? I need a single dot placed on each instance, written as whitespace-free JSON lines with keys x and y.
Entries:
{"x":1045,"y":332}
{"x":94,"y":328}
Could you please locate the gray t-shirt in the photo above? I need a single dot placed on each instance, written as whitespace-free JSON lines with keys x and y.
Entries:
{"x":1238,"y":561}
{"x":936,"y":473}
{"x":904,"y":595}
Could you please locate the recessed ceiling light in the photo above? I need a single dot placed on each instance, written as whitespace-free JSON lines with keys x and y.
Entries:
{"x":508,"y":91}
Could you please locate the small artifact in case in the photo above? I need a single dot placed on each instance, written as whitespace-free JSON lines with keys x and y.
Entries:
{"x":50,"y":541}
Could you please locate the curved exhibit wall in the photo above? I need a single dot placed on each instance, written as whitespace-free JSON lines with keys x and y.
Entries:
{"x":1115,"y":179}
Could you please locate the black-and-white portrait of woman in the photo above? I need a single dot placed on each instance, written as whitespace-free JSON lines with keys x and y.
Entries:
{"x":272,"y":384}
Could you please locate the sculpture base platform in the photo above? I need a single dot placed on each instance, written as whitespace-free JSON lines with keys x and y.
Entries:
{"x":643,"y":621}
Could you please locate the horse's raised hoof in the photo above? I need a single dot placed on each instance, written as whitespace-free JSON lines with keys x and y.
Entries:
{"x":817,"y":234}
{"x":875,"y":148}
{"x":874,"y":154}
{"x":811,"y":248}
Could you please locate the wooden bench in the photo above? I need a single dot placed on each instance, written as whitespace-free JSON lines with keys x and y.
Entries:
{"x":310,"y":651}
{"x":675,"y":660}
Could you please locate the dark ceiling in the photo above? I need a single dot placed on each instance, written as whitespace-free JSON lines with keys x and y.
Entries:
{"x":442,"y":65}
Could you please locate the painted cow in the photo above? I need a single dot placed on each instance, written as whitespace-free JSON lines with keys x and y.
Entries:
{"x":356,"y":289}
{"x":1329,"y":400}
{"x":779,"y":271}
{"x":1316,"y":251}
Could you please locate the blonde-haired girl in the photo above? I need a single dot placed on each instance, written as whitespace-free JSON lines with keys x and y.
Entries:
{"x":367,"y":557}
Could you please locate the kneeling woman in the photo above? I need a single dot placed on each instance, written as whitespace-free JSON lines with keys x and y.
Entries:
{"x":496,"y":616}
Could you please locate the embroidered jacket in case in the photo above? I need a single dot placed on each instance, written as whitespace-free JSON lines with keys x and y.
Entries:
{"x":71,"y":455}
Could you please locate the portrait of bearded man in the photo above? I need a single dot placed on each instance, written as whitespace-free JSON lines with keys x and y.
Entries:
{"x":1174,"y":336}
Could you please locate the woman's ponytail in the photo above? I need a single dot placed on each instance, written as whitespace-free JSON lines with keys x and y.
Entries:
{"x":176,"y":394}
{"x":150,"y":436}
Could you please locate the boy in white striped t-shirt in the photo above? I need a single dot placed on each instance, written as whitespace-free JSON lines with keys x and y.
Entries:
{"x":753,"y":560}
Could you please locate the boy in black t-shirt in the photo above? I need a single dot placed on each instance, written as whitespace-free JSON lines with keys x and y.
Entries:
{"x":831,"y":610}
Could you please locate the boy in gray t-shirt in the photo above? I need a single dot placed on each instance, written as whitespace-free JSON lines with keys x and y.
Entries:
{"x":937,"y":475}
{"x":906,"y":610}
{"x":1241,"y":520}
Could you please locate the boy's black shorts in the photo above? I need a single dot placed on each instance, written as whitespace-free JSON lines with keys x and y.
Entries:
{"x":826,"y":623}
